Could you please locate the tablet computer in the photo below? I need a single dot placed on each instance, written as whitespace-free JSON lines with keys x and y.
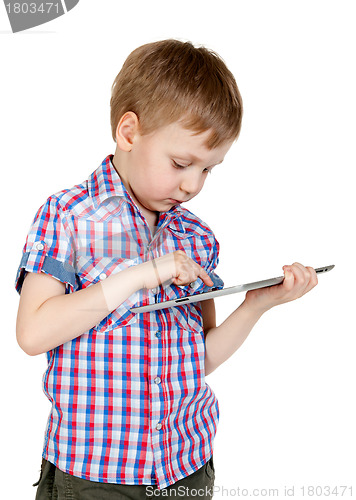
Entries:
{"x":211,"y":294}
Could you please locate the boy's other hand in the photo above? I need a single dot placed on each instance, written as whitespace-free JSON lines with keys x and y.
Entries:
{"x":298,"y":280}
{"x":175,"y":267}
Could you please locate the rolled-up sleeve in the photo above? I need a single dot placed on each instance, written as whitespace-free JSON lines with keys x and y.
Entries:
{"x":48,"y":247}
{"x":213,"y":263}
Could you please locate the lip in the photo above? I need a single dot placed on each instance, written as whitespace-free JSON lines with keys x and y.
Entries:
{"x":175,"y":201}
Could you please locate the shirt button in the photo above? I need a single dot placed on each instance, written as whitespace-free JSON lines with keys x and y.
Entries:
{"x":102,"y":276}
{"x":159,"y":426}
{"x":40,"y":246}
{"x":158,"y":335}
{"x":157,"y":380}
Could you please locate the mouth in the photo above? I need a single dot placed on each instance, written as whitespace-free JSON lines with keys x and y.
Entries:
{"x":175,"y":201}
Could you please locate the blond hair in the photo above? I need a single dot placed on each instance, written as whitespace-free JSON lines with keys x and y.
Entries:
{"x":169,"y":80}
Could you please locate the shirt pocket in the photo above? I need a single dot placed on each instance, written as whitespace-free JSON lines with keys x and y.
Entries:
{"x":95,"y":270}
{"x":187,"y":316}
{"x":187,"y":360}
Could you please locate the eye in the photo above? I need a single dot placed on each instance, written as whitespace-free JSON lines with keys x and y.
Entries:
{"x":176,"y":165}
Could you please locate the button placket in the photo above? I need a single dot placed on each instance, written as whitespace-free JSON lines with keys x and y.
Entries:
{"x":156,"y":403}
{"x":156,"y":395}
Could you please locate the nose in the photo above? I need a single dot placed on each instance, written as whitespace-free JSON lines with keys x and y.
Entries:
{"x":192,"y":182}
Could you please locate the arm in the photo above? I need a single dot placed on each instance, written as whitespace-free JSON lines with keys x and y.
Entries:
{"x":222,"y":341}
{"x":47,"y":317}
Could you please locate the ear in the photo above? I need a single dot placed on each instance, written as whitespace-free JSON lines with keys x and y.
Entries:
{"x":126,"y":130}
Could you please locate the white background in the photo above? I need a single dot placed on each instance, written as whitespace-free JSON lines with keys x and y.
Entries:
{"x":285,"y":193}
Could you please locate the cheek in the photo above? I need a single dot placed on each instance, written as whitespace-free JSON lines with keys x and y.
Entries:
{"x":167,"y":182}
{"x":154,"y":182}
{"x":160,"y":178}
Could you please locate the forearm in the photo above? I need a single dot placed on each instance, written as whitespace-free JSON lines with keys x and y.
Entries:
{"x":65,"y":317}
{"x":222,"y":341}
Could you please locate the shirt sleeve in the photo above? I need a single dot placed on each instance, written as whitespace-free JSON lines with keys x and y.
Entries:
{"x":212,"y":264}
{"x":48,"y":247}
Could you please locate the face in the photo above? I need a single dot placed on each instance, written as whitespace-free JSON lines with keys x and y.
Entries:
{"x":168,"y":166}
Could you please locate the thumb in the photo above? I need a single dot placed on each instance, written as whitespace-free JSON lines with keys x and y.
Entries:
{"x":288,"y":275}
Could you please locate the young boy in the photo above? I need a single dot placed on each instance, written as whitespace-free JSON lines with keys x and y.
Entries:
{"x":130,"y":405}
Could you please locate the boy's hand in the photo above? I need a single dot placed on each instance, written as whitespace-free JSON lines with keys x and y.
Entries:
{"x":175,"y":267}
{"x":298,"y":280}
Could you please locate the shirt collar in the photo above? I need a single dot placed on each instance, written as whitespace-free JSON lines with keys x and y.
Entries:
{"x":105,"y":182}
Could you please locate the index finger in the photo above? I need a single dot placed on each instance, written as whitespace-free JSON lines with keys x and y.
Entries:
{"x":205,"y":277}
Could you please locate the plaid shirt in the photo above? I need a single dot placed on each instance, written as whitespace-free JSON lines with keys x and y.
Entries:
{"x":130,"y":404}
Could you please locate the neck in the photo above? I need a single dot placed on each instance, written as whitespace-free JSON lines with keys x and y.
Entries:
{"x":119,"y":163}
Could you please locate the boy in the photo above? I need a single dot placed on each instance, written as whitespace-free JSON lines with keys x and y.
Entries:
{"x":130,"y":405}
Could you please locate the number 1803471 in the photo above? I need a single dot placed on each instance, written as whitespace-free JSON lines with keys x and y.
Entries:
{"x":32,"y":8}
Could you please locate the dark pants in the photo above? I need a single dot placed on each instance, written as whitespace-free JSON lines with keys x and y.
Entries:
{"x":55,"y":484}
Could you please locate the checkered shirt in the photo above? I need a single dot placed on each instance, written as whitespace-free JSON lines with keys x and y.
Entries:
{"x":129,"y":400}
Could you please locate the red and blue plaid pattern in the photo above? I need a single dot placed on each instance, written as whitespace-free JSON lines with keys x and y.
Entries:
{"x":130,"y":404}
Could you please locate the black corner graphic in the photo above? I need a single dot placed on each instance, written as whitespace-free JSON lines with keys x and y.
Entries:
{"x":31,"y":13}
